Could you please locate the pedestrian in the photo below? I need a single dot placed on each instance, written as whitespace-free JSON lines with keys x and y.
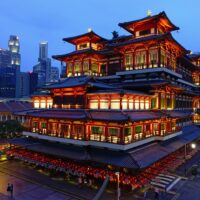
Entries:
{"x":11,"y":190}
{"x":156,"y":194}
{"x":145,"y":194}
{"x":8,"y":188}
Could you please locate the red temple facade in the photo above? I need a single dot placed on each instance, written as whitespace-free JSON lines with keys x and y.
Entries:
{"x":120,"y":93}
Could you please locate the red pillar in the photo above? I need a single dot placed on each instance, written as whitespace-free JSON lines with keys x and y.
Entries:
{"x":159,"y":56}
{"x":147,"y":58}
{"x":121,"y":135}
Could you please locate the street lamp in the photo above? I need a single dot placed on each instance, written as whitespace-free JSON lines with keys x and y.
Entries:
{"x":193,"y":146}
{"x":118,"y":188}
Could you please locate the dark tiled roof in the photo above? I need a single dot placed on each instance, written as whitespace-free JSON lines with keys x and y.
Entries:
{"x":116,"y":158}
{"x":90,"y":34}
{"x":61,"y":150}
{"x":108,"y":115}
{"x":59,"y":114}
{"x":119,"y":91}
{"x":194,"y":55}
{"x":161,"y":14}
{"x":78,"y":52}
{"x":140,"y":39}
{"x":143,"y":115}
{"x":79,"y":81}
{"x":98,"y":115}
{"x":178,"y":113}
{"x":152,"y":153}
{"x":14,"y":106}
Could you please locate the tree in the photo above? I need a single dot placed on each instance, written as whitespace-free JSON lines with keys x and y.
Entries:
{"x":10,"y":128}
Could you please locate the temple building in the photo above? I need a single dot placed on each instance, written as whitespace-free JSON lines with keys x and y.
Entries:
{"x":120,"y":96}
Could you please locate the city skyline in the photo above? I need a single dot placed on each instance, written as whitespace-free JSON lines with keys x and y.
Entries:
{"x":31,"y":23}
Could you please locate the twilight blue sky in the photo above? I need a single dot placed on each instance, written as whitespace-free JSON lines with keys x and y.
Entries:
{"x":51,"y":20}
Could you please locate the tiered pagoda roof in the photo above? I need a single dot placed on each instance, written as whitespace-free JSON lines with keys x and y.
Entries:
{"x":160,"y":19}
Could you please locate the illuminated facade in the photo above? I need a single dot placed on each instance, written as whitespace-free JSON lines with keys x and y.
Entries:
{"x":120,"y":93}
{"x":14,"y":48}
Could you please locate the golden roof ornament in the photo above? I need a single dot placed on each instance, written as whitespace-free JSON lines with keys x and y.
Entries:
{"x":89,"y":30}
{"x":149,"y":13}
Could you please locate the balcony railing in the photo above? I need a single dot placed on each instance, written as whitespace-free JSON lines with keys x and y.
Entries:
{"x":101,"y":137}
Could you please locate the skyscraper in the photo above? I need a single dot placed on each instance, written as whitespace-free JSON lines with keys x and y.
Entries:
{"x":43,"y":67}
{"x":5,"y":58}
{"x":43,"y":51}
{"x":14,"y":48}
{"x":10,"y":68}
{"x":54,"y":77}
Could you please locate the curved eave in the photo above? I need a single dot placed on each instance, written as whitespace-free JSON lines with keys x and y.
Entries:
{"x":74,"y":53}
{"x":125,"y":25}
{"x":185,"y":51}
{"x":90,"y":35}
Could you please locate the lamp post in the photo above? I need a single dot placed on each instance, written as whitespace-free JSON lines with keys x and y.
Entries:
{"x":118,"y":188}
{"x":193,"y":146}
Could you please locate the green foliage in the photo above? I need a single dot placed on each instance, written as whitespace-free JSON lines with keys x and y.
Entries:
{"x":10,"y":128}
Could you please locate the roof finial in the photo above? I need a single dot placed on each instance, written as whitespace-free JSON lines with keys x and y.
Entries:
{"x":89,"y":30}
{"x":149,"y":13}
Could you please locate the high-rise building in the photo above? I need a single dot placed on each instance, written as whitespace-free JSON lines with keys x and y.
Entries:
{"x":8,"y":82}
{"x":43,"y":67}
{"x":54,"y":77}
{"x":33,"y":82}
{"x":5,"y":58}
{"x":9,"y":68}
{"x":63,"y":70}
{"x":43,"y":51}
{"x":14,"y":48}
{"x":23,"y":88}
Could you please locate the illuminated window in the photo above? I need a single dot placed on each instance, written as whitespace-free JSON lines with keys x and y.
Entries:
{"x":154,"y":103}
{"x":83,"y":46}
{"x":129,"y":61}
{"x":124,"y":104}
{"x":130,"y":105}
{"x":86,"y":66}
{"x":97,"y":133}
{"x":93,"y":104}
{"x":69,"y":69}
{"x":115,"y":104}
{"x":137,"y":104}
{"x":77,"y":68}
{"x":94,"y":68}
{"x":153,"y":54}
{"x":36,"y":104}
{"x":103,"y":104}
{"x":162,"y":101}
{"x":145,"y":32}
{"x":42,"y":103}
{"x":113,"y":131}
{"x":146,"y":103}
{"x":127,"y":134}
{"x":141,"y":103}
{"x":49,"y":103}
{"x":140,"y":60}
